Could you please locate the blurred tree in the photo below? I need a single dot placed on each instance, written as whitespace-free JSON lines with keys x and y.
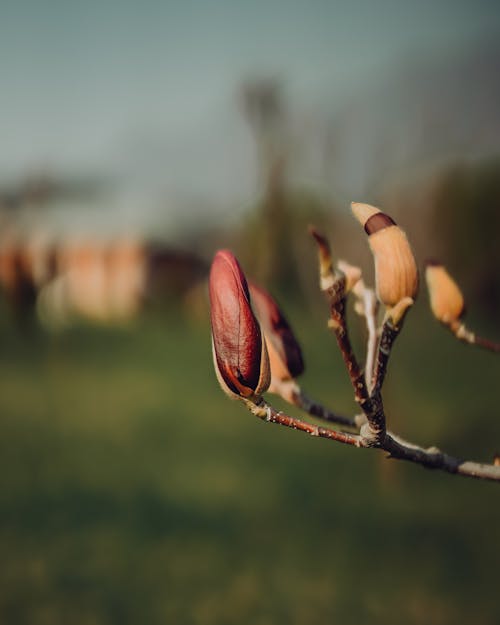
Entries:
{"x":271,"y":257}
{"x":275,"y":235}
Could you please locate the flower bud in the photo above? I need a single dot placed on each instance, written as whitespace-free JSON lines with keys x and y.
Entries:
{"x":446,"y":299}
{"x":240,"y":356}
{"x":396,"y":275}
{"x":285,"y":355}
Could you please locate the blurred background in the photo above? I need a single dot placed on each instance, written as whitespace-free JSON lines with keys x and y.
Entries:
{"x":135,"y":140}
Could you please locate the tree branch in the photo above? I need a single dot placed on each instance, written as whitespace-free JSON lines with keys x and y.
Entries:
{"x":431,"y":458}
{"x":333,"y":285}
{"x":267,"y":413}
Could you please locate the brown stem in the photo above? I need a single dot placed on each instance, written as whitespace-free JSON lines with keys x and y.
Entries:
{"x":389,"y":335}
{"x":486,"y":344}
{"x":464,"y":334}
{"x":267,"y":413}
{"x":432,"y":458}
{"x":371,"y":405}
{"x":339,"y":326}
{"x":333,"y":284}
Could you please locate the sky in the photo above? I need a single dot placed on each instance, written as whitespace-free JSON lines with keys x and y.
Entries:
{"x":99,"y":87}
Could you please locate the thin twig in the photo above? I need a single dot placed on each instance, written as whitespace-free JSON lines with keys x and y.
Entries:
{"x":432,"y":458}
{"x":333,"y":286}
{"x":462,"y":333}
{"x":388,"y":336}
{"x":267,"y":413}
{"x":371,"y":405}
{"x":486,"y":344}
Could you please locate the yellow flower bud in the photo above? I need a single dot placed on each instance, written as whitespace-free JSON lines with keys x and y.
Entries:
{"x":446,"y":299}
{"x":396,"y":274}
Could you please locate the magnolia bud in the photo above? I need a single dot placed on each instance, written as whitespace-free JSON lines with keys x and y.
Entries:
{"x":285,"y":355}
{"x":446,"y":299}
{"x":396,"y":275}
{"x":240,"y":356}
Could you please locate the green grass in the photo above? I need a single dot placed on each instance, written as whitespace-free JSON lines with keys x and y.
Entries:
{"x":132,"y":491}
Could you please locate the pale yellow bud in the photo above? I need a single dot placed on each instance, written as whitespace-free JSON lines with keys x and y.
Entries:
{"x":396,"y":274}
{"x":446,"y":299}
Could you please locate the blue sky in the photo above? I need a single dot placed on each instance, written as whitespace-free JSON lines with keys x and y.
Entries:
{"x":81,"y":81}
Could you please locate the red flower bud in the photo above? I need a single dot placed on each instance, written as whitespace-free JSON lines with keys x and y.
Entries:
{"x":240,"y":356}
{"x":285,"y":354}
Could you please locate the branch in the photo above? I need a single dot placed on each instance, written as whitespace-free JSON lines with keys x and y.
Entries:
{"x":465,"y":335}
{"x":391,"y":328}
{"x":267,"y":413}
{"x":431,"y":458}
{"x":388,"y":336}
{"x":333,"y":285}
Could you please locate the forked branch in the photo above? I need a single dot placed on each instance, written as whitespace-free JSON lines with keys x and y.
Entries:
{"x":252,"y":356}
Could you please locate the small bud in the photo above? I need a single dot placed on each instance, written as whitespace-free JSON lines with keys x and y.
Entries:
{"x":240,"y":356}
{"x":446,"y":299}
{"x":396,"y":275}
{"x":285,"y":355}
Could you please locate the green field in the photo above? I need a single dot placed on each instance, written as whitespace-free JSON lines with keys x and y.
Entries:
{"x":133,"y":492}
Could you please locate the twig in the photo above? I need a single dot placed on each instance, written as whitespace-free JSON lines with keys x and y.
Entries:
{"x":333,"y":285}
{"x":486,"y":344}
{"x":431,"y":458}
{"x":465,"y":335}
{"x":388,"y":336}
{"x":267,"y":413}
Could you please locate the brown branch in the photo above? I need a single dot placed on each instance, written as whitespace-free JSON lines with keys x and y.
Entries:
{"x":431,"y":458}
{"x":462,"y":333}
{"x":333,"y":285}
{"x":267,"y":413}
{"x":388,"y":336}
{"x":486,"y":344}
